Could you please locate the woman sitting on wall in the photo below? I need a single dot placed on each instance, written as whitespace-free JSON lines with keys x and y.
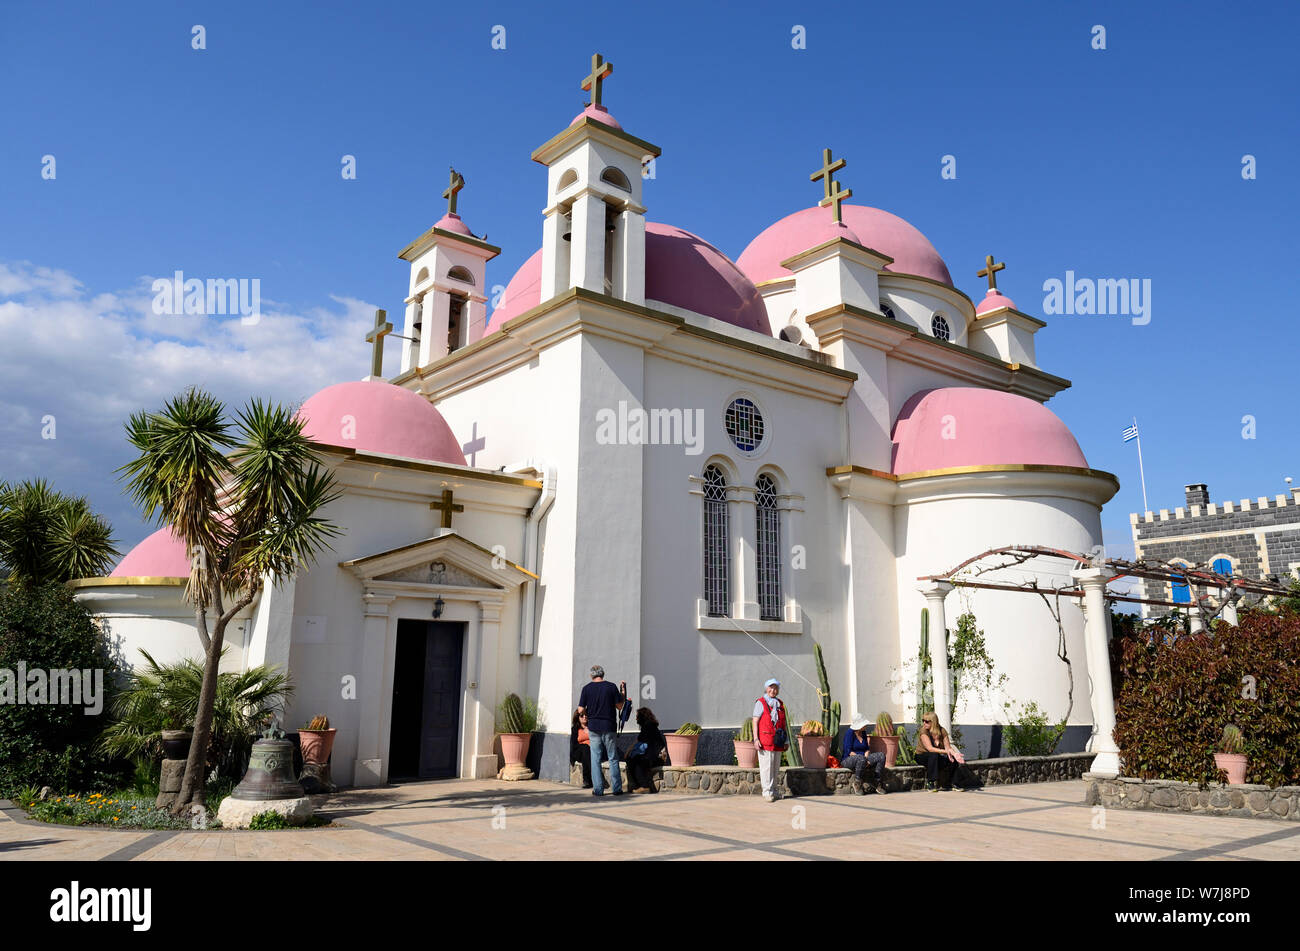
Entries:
{"x":580,"y":747}
{"x":867,"y":768}
{"x":934,"y":751}
{"x":647,"y":753}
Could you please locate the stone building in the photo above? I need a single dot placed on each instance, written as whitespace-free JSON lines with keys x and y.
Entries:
{"x":1257,"y":539}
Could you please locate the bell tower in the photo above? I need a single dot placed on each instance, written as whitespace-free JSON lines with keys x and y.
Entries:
{"x":448,"y":267}
{"x":594,"y":233}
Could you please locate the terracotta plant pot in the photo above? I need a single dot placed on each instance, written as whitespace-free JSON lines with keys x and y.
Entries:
{"x":746,"y":754}
{"x":814,"y":751}
{"x":884,"y":744}
{"x":681,"y":749}
{"x":514,"y":747}
{"x":176,"y":743}
{"x":1234,"y":764}
{"x":316,"y":745}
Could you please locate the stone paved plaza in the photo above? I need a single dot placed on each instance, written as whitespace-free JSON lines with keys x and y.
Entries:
{"x":486,"y":819}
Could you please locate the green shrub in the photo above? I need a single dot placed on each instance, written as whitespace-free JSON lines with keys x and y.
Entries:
{"x":1178,"y":693}
{"x":268,"y":820}
{"x":53,"y":744}
{"x":1031,"y":733}
{"x":166,"y":696}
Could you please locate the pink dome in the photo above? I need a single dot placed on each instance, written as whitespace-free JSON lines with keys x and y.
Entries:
{"x":600,"y":114}
{"x":372,"y":416}
{"x":453,"y":223}
{"x":161,"y":555}
{"x":971,"y":426}
{"x":993,"y":301}
{"x":682,"y":269}
{"x":879,"y":230}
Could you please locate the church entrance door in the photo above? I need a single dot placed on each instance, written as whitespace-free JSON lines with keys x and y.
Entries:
{"x":425,"y":737}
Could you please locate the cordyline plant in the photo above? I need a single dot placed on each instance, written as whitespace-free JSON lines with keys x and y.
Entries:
{"x":244,"y":500}
{"x":46,"y":536}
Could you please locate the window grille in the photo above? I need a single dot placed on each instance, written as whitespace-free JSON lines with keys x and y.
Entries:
{"x":939,"y":327}
{"x":769,"y":549}
{"x":717,"y":562}
{"x":744,"y":424}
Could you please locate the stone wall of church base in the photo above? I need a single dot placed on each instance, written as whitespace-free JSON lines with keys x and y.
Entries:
{"x":1162,"y":795}
{"x":733,"y":781}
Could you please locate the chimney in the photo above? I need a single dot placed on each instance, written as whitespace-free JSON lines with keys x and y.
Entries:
{"x":1197,"y":494}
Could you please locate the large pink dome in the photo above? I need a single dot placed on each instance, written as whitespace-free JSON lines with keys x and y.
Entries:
{"x":971,"y":426}
{"x":879,"y":230}
{"x":161,"y":555}
{"x":681,"y":269}
{"x":373,"y":416}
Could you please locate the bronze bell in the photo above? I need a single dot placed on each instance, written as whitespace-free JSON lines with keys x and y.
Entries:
{"x":270,"y":771}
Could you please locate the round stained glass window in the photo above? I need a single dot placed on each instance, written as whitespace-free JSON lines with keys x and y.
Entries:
{"x":744,"y":424}
{"x":939,"y":327}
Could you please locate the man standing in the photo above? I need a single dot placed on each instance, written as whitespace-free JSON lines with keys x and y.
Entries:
{"x":601,"y":702}
{"x":770,"y":736}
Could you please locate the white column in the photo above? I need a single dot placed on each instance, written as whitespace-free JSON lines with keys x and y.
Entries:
{"x":369,"y":769}
{"x":935,"y":592}
{"x":587,"y":247}
{"x":482,"y":685}
{"x":1230,"y":608}
{"x":631,"y":249}
{"x":428,"y":330}
{"x":1195,"y":624}
{"x":744,"y":547}
{"x":410,"y":346}
{"x":555,"y":255}
{"x":1093,"y":582}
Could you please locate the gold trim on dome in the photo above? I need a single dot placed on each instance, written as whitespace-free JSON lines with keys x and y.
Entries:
{"x":968,"y":470}
{"x":127,"y":581}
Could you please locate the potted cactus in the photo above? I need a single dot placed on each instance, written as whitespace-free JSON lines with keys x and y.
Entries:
{"x":885,"y":739}
{"x":683,"y":744}
{"x":1229,"y":756}
{"x":746,"y":752}
{"x":317,"y":741}
{"x":516,"y":720}
{"x":814,"y":744}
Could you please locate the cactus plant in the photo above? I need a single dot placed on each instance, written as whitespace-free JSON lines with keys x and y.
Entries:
{"x":830,"y":722}
{"x":746,"y":734}
{"x":513,"y":716}
{"x":319,"y":723}
{"x":791,"y":756}
{"x":812,"y":728}
{"x":923,"y":666}
{"x":1232,"y":741}
{"x":885,"y":725}
{"x":688,"y":729}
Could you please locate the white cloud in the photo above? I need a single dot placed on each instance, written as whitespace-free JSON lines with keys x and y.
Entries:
{"x":90,"y":359}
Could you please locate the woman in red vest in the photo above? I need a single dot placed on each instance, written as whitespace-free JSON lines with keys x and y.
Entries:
{"x":770,"y":736}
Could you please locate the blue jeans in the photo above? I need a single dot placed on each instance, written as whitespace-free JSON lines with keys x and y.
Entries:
{"x":602,"y":747}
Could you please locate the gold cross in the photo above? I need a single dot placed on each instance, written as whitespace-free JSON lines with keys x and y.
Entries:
{"x":457,"y":183}
{"x":446,"y":507}
{"x":833,"y":195}
{"x":991,"y":271}
{"x":376,"y":339}
{"x":600,"y":70}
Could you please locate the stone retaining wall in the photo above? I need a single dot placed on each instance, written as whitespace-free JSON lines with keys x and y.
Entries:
{"x":801,"y":781}
{"x":1163,"y":795}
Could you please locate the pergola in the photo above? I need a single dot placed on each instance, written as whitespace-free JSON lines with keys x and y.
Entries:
{"x":1090,"y":574}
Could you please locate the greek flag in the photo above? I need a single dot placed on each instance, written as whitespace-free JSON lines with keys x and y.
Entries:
{"x":1131,"y":433}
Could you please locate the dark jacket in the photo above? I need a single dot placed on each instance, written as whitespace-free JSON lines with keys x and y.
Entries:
{"x":578,"y":751}
{"x":853,"y":745}
{"x":653,"y":737}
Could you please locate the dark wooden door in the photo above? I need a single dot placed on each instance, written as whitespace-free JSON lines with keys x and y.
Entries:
{"x":425,"y":736}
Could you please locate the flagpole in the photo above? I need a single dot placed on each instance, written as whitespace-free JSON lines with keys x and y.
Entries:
{"x":1141,"y":473}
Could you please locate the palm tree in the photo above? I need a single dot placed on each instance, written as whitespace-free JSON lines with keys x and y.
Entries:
{"x":247,"y":519}
{"x":46,"y":536}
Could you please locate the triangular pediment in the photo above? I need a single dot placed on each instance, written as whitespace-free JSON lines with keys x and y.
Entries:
{"x":447,"y":560}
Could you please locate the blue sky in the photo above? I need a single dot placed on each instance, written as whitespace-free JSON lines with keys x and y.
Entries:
{"x":1116,"y":163}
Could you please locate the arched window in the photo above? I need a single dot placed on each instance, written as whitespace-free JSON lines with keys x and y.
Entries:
{"x":717,"y":562}
{"x":939,"y":327}
{"x":422,"y":276}
{"x":1222,"y":566}
{"x":769,"y":549}
{"x":568,"y":178}
{"x":616,"y":178}
{"x":459,"y":273}
{"x":1182,"y":594}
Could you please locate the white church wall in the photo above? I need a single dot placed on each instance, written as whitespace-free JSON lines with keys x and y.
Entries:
{"x":959,"y":518}
{"x":713,"y":676}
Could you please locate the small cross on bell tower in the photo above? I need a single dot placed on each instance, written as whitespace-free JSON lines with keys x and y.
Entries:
{"x":834,"y":195}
